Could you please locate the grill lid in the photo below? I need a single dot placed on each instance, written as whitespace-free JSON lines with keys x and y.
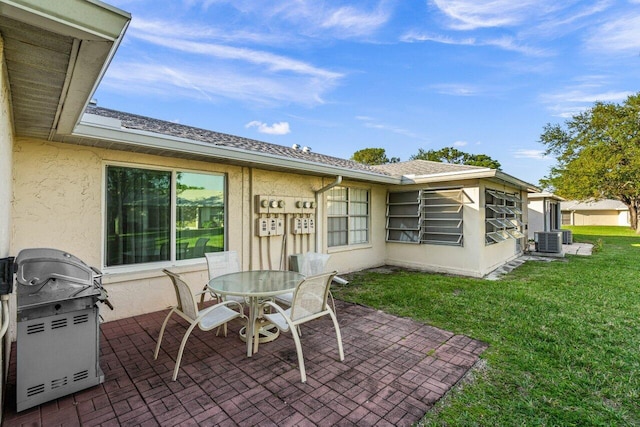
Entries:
{"x":46,"y":275}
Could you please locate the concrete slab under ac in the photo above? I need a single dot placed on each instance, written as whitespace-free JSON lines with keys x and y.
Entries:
{"x":582,"y":249}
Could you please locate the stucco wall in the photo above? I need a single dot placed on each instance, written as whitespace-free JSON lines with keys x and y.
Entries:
{"x":357,"y":257}
{"x":474,"y":258}
{"x":536,"y":216}
{"x":600,"y":218}
{"x":59,"y":203}
{"x":6,"y":143}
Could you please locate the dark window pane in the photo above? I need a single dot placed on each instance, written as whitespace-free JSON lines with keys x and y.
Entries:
{"x":138,"y":215}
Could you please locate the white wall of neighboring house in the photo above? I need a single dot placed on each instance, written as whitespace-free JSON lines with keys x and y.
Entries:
{"x":536,"y":216}
{"x":544,"y":213}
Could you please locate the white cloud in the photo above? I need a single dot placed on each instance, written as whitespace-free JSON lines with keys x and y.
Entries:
{"x":210,"y":70}
{"x":524,"y":153}
{"x":621,"y":35}
{"x":457,"y":89}
{"x":472,"y":14}
{"x":575,"y":99}
{"x":351,"y":21}
{"x":280,"y":128}
{"x":214,"y":82}
{"x":505,"y":43}
{"x":460,"y":143}
{"x":316,"y":18}
{"x":273,"y":62}
{"x":371,"y":123}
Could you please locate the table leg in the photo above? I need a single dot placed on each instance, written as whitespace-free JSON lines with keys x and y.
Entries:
{"x":253,"y":315}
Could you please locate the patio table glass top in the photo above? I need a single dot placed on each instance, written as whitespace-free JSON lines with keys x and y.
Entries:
{"x":256,"y":283}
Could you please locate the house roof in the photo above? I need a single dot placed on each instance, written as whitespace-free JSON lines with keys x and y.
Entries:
{"x":600,"y":205}
{"x":424,"y":167}
{"x":147,"y":124}
{"x":130,"y":132}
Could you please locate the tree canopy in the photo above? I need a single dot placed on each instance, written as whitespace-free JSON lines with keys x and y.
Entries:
{"x":598,"y":155}
{"x":373,"y":156}
{"x":455,"y":156}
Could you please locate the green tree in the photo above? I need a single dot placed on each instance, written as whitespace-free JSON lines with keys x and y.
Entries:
{"x":598,"y":155}
{"x":373,"y":156}
{"x":455,"y":156}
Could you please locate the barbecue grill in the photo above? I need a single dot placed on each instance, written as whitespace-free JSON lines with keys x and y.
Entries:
{"x":58,"y":340}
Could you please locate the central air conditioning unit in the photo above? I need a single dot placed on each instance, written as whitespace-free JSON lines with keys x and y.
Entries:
{"x":567,"y":237}
{"x":548,"y":241}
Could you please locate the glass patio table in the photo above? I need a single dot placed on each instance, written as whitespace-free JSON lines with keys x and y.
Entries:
{"x":255,"y":286}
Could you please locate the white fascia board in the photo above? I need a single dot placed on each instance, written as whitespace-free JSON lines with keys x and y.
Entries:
{"x":81,"y":19}
{"x":517,"y":182}
{"x":139,"y":138}
{"x":449,"y":176}
{"x":545,"y":195}
{"x":485,"y":173}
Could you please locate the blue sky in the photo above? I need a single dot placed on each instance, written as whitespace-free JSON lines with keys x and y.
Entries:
{"x":340,"y":76}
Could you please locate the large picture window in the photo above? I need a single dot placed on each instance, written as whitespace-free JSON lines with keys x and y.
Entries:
{"x":347,"y":216}
{"x":160,"y":215}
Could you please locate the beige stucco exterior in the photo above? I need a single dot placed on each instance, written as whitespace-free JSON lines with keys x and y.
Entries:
{"x":58,"y":202}
{"x":595,"y":217}
{"x":6,"y":149}
{"x":58,"y":196}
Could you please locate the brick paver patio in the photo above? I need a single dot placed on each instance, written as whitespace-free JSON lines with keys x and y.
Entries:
{"x":394,"y":370}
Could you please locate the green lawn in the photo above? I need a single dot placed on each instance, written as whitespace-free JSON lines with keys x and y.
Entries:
{"x":564,"y":336}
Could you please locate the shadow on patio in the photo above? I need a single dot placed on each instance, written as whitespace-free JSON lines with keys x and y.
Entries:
{"x":394,"y":370}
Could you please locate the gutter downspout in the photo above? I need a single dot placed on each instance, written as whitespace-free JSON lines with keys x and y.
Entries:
{"x":324,"y":189}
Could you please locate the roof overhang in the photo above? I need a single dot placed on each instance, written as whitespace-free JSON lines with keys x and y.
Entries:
{"x":545,"y":196}
{"x":486,"y":173}
{"x":56,"y":54}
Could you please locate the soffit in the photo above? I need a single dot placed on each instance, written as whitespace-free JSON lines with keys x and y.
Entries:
{"x":37,"y":61}
{"x":55,"y":54}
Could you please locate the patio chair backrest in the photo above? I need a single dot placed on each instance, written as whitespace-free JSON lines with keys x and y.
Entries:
{"x":312,"y":263}
{"x":310,"y":296}
{"x":220,"y":263}
{"x":186,"y":303}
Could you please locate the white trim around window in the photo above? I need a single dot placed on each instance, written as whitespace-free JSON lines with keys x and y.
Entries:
{"x":348,"y":216}
{"x":155,"y":216}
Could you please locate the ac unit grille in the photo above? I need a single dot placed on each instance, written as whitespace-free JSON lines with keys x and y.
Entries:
{"x":549,"y":241}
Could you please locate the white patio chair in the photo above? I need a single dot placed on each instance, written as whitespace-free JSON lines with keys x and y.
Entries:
{"x":219,"y":263}
{"x":206,"y":319}
{"x":311,"y":264}
{"x":309,"y":303}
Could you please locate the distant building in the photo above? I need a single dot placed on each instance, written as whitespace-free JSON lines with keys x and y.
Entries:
{"x":602,"y":212}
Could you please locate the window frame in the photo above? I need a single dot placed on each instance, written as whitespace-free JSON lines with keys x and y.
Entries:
{"x":433,"y":216}
{"x":350,"y":216}
{"x":503,"y":216}
{"x":173,"y":207}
